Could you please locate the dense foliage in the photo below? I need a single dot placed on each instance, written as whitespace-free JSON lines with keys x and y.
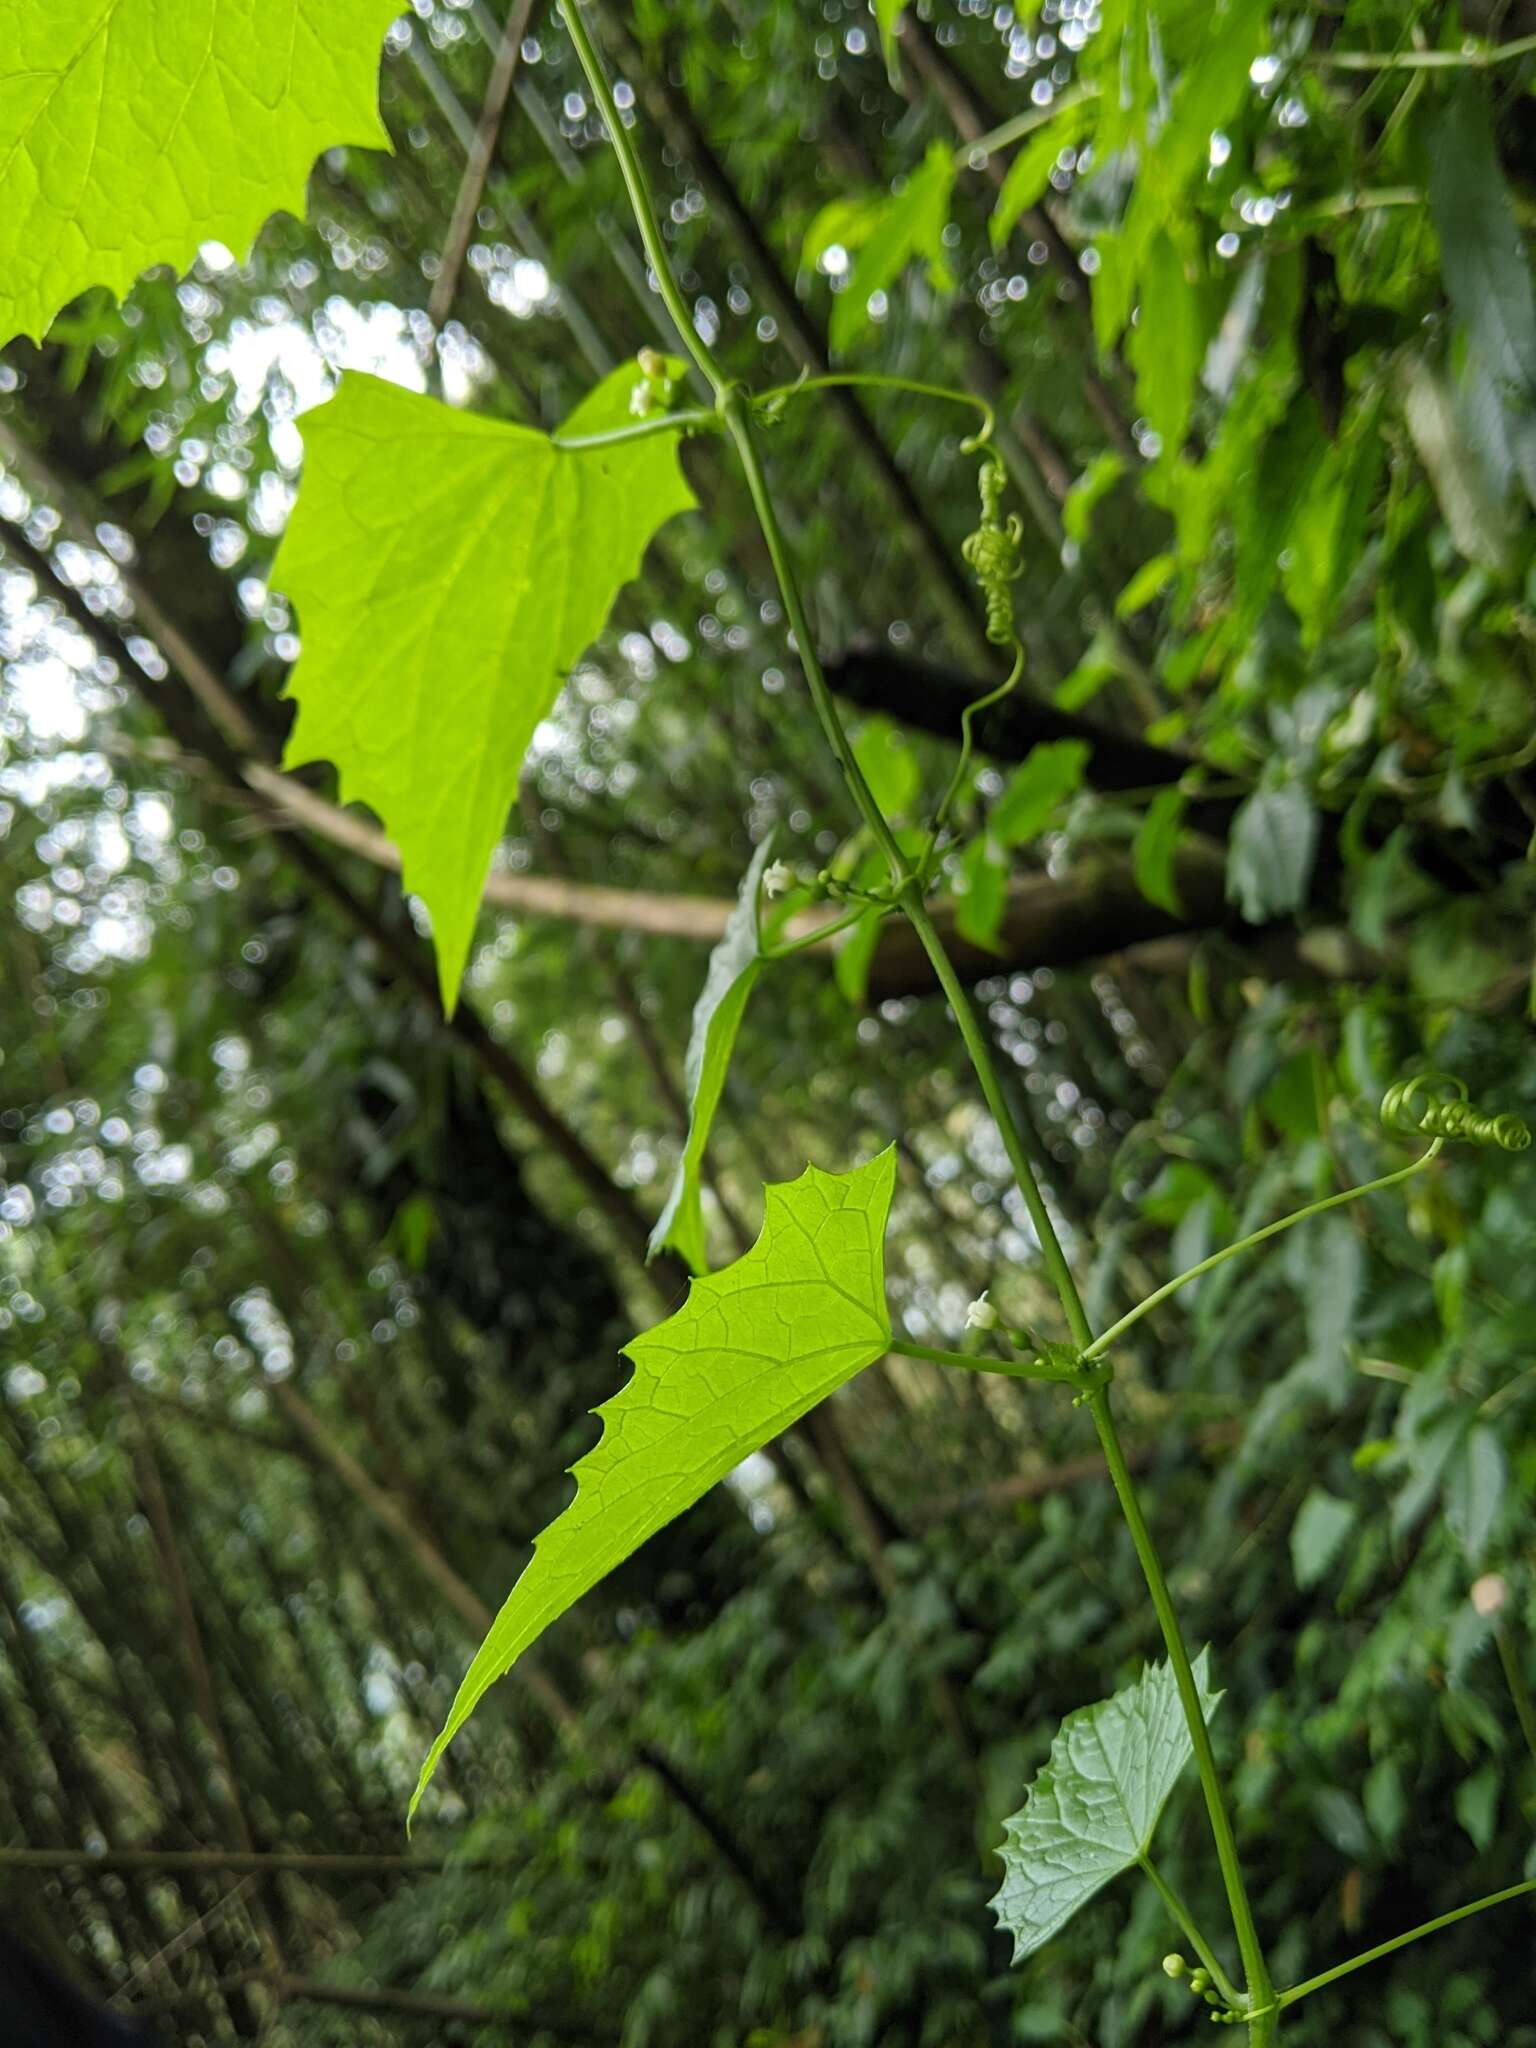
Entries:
{"x":306,"y":1291}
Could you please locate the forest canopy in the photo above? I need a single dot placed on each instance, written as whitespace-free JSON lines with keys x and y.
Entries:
{"x":779,"y":754}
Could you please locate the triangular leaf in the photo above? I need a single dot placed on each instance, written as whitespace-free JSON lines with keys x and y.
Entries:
{"x":1094,"y":1808}
{"x":447,"y":571}
{"x":750,"y":1351}
{"x":733,"y":968}
{"x":133,"y":131}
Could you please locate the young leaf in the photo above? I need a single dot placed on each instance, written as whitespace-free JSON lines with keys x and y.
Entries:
{"x":910,"y":223}
{"x":130,"y":133}
{"x":750,"y":1351}
{"x":1157,"y":842}
{"x":1052,"y":773}
{"x":733,"y":969}
{"x":1094,"y":1808}
{"x":1482,"y":253}
{"x":447,"y":571}
{"x":1269,"y":852}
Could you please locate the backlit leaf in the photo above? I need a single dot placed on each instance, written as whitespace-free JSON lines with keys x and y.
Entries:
{"x":734,"y":966}
{"x":749,"y":1352}
{"x":132,"y":131}
{"x":447,"y":571}
{"x":1093,"y":1809}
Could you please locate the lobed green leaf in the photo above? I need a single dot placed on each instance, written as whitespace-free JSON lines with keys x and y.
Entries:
{"x":1094,"y":1808}
{"x":133,"y":131}
{"x":749,"y":1352}
{"x":448,"y":570}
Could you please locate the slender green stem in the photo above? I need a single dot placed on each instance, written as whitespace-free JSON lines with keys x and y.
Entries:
{"x":1386,"y":1948}
{"x":787,"y":948}
{"x":1192,"y":1934}
{"x":698,"y":422}
{"x":909,"y":895}
{"x":1116,"y":1331}
{"x":1021,"y":125}
{"x":637,"y":185}
{"x":735,"y":409}
{"x":1255,"y":1970}
{"x":968,"y":718}
{"x":1012,"y":1368}
{"x":1471,"y":57}
{"x":1519,"y":1685}
{"x":876,"y":380}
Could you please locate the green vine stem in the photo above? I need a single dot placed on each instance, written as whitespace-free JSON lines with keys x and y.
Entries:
{"x":1386,"y":1948}
{"x":1011,"y":1368}
{"x":879,"y":380}
{"x":1192,"y":1934}
{"x":699,"y":422}
{"x":736,"y":410}
{"x":1102,"y":1343}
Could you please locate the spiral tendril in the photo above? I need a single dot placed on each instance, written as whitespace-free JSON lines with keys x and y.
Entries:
{"x":1435,"y":1105}
{"x":993,"y":552}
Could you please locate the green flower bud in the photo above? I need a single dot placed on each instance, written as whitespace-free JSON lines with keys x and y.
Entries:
{"x":1200,"y":1981}
{"x":1174,"y":1965}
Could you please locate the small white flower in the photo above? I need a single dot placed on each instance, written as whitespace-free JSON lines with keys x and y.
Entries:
{"x":981,"y":1315}
{"x":777,"y":877}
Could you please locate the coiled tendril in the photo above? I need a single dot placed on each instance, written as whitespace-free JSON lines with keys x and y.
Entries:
{"x":1435,"y":1105}
{"x":993,"y":552}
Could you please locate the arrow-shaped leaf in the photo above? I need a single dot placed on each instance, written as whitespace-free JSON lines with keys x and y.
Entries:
{"x":448,"y":570}
{"x":733,"y":969}
{"x":1094,"y":1808}
{"x":131,"y":131}
{"x":752,"y":1348}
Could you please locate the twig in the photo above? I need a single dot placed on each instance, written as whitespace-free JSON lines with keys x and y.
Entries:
{"x":477,"y":164}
